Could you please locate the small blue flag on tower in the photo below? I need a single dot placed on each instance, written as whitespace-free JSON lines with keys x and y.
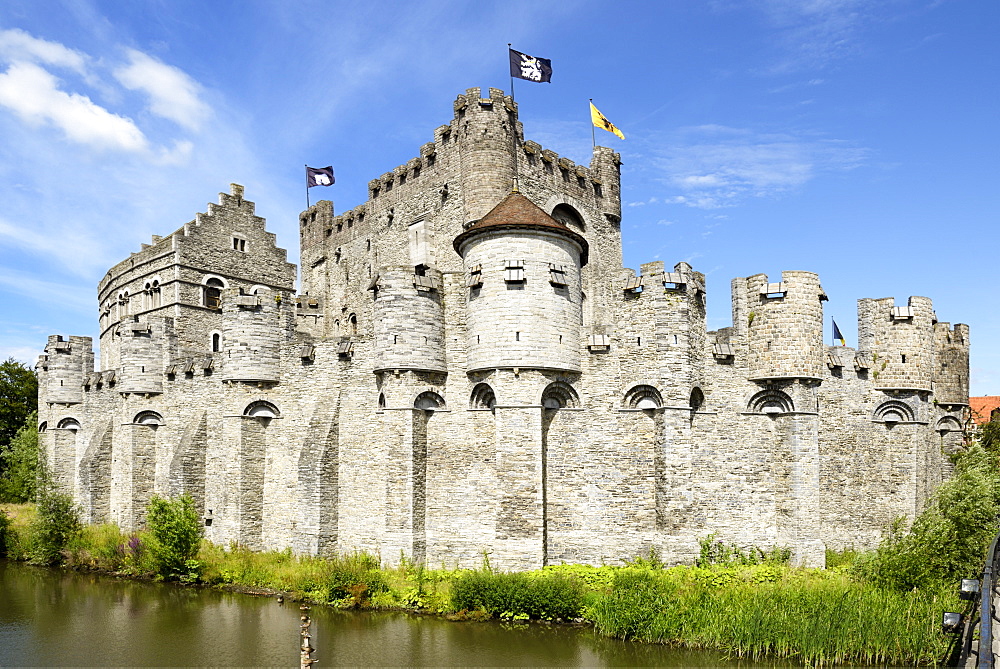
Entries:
{"x":838,"y":335}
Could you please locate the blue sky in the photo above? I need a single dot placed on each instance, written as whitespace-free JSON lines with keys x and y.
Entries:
{"x":854,"y":138}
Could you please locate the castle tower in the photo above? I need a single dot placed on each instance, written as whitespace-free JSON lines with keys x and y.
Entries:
{"x":523,"y":270}
{"x":409,"y":319}
{"x":900,"y":341}
{"x":783,"y":324}
{"x":253,"y":329}
{"x":951,"y":371}
{"x":64,"y":365}
{"x":141,"y":349}
{"x":485,"y":128}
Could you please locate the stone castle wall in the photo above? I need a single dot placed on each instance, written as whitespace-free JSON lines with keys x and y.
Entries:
{"x":423,"y":395}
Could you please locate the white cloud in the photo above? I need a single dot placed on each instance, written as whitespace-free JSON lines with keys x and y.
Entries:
{"x":720,"y":166}
{"x":33,"y":93}
{"x":172,"y":93}
{"x":17,"y":45}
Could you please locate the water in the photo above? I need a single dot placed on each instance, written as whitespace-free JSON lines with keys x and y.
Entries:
{"x":52,"y":618}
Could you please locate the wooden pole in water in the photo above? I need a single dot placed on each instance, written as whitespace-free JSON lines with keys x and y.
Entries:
{"x":306,"y":650}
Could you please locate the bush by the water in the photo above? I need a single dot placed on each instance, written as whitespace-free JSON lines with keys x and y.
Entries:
{"x":6,"y":533}
{"x":948,"y":541}
{"x":544,"y":596}
{"x":176,"y":530}
{"x":57,"y":524}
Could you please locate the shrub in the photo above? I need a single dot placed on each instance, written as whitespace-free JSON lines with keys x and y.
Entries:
{"x":6,"y":533}
{"x":57,"y":523}
{"x":354,"y":578}
{"x":948,"y":540}
{"x":547,"y":595}
{"x":720,"y":553}
{"x":19,"y":464}
{"x":176,"y":532}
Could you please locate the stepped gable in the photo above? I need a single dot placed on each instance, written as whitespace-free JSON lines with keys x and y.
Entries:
{"x":516,"y":212}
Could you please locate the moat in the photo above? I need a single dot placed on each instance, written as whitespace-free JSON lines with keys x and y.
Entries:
{"x":53,"y":618}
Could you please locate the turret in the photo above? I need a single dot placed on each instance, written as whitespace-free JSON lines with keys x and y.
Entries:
{"x":951,"y":370}
{"x":409,"y":319}
{"x":523,"y":277}
{"x":485,"y":129}
{"x":782,"y":323}
{"x":141,"y":342}
{"x":63,"y":367}
{"x":900,"y":341}
{"x":253,"y":329}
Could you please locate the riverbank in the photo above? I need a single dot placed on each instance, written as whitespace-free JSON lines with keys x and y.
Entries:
{"x":817,"y":616}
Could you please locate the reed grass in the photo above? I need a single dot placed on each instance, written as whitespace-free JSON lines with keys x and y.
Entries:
{"x":817,"y":617}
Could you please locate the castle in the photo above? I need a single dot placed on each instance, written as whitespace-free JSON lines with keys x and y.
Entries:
{"x":467,"y":368}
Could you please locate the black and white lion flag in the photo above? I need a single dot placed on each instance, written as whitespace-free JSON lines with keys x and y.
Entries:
{"x":528,"y":67}
{"x":319,"y":176}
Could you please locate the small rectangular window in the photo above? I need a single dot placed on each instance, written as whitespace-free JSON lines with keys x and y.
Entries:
{"x":239,"y":244}
{"x":513,"y":271}
{"x":475,"y":277}
{"x":557,"y":275}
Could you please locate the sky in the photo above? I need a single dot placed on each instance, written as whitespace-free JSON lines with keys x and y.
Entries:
{"x":853,"y":138}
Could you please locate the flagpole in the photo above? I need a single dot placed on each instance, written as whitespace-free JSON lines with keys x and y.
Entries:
{"x":593,"y":136}
{"x":307,"y":185}
{"x":513,"y":126}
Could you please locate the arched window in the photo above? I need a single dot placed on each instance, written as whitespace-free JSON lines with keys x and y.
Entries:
{"x":154,"y":294}
{"x":892,"y":412}
{"x":353,"y":320}
{"x":483,"y":397}
{"x":643,"y":397}
{"x":126,"y":304}
{"x":213,"y":293}
{"x":150,"y":418}
{"x":68,"y":424}
{"x":428,"y":401}
{"x":43,"y":426}
{"x":381,"y":401}
{"x":948,"y":424}
{"x":261,"y":409}
{"x":559,"y":395}
{"x":216,"y":342}
{"x":771,"y":402}
{"x":569,"y":217}
{"x":697,"y":399}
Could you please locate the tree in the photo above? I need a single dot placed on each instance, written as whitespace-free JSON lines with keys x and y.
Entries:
{"x":176,"y":530}
{"x":18,"y":397}
{"x":19,"y":464}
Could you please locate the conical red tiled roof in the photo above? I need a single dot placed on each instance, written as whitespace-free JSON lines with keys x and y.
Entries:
{"x":518,"y":212}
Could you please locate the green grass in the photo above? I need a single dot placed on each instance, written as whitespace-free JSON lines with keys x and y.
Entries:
{"x":814,"y":616}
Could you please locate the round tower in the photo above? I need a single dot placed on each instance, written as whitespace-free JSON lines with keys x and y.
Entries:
{"x":485,"y":128}
{"x":409,"y":319}
{"x":253,"y":329}
{"x":951,"y":375}
{"x":141,"y":356}
{"x":784,"y":325}
{"x":900,"y":341}
{"x":523,"y":277}
{"x":64,"y":365}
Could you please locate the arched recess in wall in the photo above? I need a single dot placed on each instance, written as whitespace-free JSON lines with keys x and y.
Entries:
{"x":43,"y":426}
{"x":216,"y":341}
{"x":483,"y":397}
{"x":150,"y":418}
{"x":353,"y":324}
{"x":211,"y":291}
{"x":381,"y":401}
{"x":257,"y":289}
{"x":771,"y":402}
{"x":262,"y":410}
{"x":569,"y":216}
{"x":891,"y":412}
{"x":948,"y":424}
{"x":559,"y":395}
{"x":428,"y":401}
{"x":68,"y":424}
{"x":697,"y":399}
{"x":643,"y":397}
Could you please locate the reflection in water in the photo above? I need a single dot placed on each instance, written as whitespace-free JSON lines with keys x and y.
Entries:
{"x":57,"y":619}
